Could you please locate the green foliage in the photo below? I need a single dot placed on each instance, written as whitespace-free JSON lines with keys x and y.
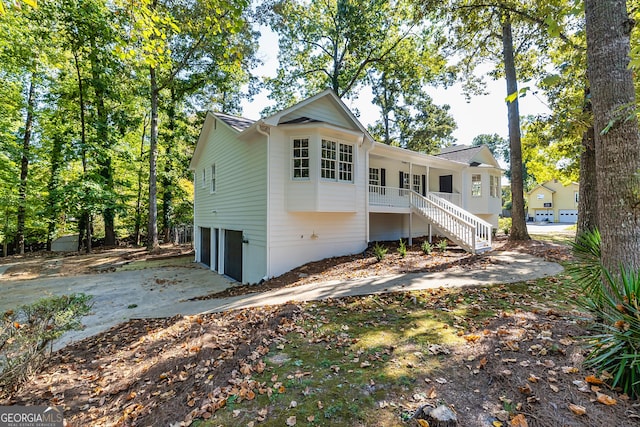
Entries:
{"x":504,"y":224}
{"x":587,"y":270}
{"x":379,"y":251}
{"x":442,"y":245}
{"x":615,"y":347}
{"x":426,"y":247}
{"x":498,"y":145}
{"x":402,"y":248}
{"x":27,"y":332}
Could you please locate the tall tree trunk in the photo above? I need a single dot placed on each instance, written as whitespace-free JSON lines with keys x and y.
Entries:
{"x":167,"y":183}
{"x":85,"y":223}
{"x":616,"y":132}
{"x":138,"y":220}
{"x":102,"y":134}
{"x":53,"y":201}
{"x":588,"y":196}
{"x":518,"y":222}
{"x":152,"y":228}
{"x":24,"y":166}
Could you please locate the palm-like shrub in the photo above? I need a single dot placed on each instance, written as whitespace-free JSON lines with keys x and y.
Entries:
{"x":615,"y":347}
{"x":402,"y":248}
{"x":379,"y":251}
{"x":614,"y":302}
{"x":587,"y":269}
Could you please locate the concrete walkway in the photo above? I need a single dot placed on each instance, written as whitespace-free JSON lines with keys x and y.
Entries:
{"x":165,"y":292}
{"x":507,"y":267}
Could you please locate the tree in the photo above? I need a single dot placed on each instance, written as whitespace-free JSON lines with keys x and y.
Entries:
{"x":617,"y":141}
{"x":160,"y":47}
{"x":332,"y":44}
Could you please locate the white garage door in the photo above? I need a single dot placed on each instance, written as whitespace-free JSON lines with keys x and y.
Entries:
{"x":544,"y":215}
{"x":568,"y":215}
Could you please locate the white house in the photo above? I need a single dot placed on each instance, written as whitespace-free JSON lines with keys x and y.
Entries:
{"x":309,"y":182}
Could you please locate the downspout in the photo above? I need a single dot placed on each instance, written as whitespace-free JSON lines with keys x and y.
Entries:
{"x":268,"y":224}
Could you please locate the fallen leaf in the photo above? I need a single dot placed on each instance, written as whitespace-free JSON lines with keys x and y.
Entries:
{"x":423,"y":423}
{"x":577,"y":409}
{"x":431,"y":394}
{"x":569,"y":370}
{"x":291,"y":421}
{"x":605,"y":399}
{"x":526,"y":389}
{"x":496,"y":424}
{"x":320,"y":405}
{"x":293,"y":404}
{"x":441,"y":380}
{"x":554,"y":388}
{"x":311,"y":418}
{"x":519,"y":421}
{"x":472,"y":337}
{"x":592,"y":379}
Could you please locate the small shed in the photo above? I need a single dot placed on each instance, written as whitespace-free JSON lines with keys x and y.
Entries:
{"x":68,"y":243}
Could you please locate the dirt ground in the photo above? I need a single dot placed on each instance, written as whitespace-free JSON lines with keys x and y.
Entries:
{"x":35,"y":265}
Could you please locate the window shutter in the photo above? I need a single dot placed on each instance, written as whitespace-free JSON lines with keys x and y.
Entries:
{"x":383,"y":177}
{"x":424,"y":185}
{"x":401,"y":180}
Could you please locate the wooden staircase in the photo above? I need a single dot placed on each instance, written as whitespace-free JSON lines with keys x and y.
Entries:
{"x":465,"y":229}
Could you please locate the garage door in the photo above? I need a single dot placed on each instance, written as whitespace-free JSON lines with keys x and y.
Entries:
{"x":233,"y":254}
{"x":568,"y":215}
{"x":544,"y":215}
{"x":205,"y":246}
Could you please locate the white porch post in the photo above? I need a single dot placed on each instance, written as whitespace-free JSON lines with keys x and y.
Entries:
{"x":410,"y":228}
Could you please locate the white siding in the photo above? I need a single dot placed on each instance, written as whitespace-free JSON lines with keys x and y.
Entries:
{"x":323,"y":110}
{"x":240,"y":200}
{"x":300,"y":237}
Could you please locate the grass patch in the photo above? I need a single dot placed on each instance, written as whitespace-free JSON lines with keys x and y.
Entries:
{"x":352,"y":356}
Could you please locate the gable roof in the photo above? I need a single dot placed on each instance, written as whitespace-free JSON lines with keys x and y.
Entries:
{"x":542,"y":187}
{"x":288,"y":116}
{"x":236,"y":123}
{"x":472,"y":155}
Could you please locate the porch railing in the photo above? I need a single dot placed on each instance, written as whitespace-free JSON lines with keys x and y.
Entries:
{"x":389,"y":196}
{"x":466,"y":229}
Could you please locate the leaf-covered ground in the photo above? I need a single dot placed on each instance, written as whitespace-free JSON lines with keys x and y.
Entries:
{"x":502,"y":355}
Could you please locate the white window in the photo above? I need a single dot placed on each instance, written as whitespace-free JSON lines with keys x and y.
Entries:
{"x":476,"y":185}
{"x":346,"y":163}
{"x":328,"y":160}
{"x":417,"y":184}
{"x":213,"y":178}
{"x":374,"y":176}
{"x":204,"y":178}
{"x":300,"y":157}
{"x":336,"y":156}
{"x":494,"y":188}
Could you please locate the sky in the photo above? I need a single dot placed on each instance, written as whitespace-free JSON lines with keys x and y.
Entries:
{"x":485,"y":114}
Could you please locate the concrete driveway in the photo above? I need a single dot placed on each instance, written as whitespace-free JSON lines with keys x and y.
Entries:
{"x":550,"y":227}
{"x":164,"y":292}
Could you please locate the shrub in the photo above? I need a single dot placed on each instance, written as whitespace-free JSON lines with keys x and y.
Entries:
{"x":615,"y":347}
{"x":442,"y":245}
{"x":504,"y":224}
{"x":28,"y":332}
{"x":379,"y":251}
{"x":402,"y":249}
{"x":615,"y":304}
{"x":426,"y":247}
{"x":587,"y":269}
